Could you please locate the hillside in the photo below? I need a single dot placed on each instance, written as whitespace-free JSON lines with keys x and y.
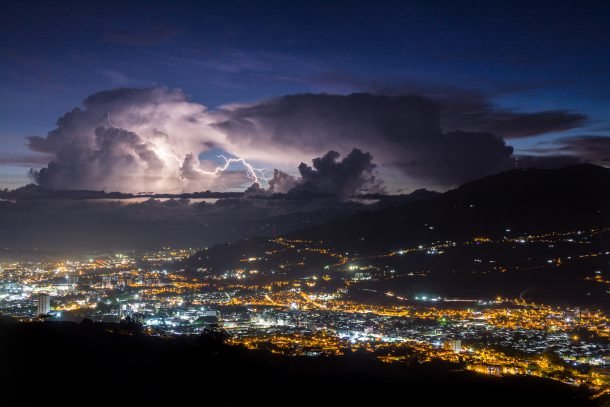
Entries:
{"x":513,"y":203}
{"x":66,"y":358}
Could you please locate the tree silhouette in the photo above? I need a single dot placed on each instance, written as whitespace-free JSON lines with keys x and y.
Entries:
{"x":213,"y":336}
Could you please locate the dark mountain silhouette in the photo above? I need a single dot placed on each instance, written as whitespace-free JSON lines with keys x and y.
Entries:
{"x":63,"y":360}
{"x":512,"y":204}
{"x":517,"y":202}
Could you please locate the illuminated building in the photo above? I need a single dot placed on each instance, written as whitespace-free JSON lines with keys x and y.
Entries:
{"x":44,"y":304}
{"x":454,"y":345}
{"x":209,"y":317}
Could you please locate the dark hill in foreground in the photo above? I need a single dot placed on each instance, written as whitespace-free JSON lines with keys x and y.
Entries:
{"x":512,"y":203}
{"x":58,"y":361}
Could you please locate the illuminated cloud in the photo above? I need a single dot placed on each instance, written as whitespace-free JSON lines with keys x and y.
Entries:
{"x":281,"y":182}
{"x":134,"y":140}
{"x":155,"y":139}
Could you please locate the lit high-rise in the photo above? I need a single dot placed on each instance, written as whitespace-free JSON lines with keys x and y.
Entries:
{"x":44,"y":304}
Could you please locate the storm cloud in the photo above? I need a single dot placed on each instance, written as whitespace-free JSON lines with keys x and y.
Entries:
{"x":116,"y":155}
{"x":472,"y":112}
{"x":155,"y":139}
{"x":404,"y":132}
{"x":593,"y":149}
{"x":132,"y":140}
{"x":281,"y":182}
{"x":353,"y":174}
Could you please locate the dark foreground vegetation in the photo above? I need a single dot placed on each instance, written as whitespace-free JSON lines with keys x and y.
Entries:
{"x":67,"y":361}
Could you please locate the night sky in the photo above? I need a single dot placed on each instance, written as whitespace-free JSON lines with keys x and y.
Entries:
{"x":430,"y":94}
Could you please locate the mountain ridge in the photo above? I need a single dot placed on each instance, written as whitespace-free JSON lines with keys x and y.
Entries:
{"x":514,"y":202}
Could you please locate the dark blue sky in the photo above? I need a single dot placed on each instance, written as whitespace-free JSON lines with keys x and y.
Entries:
{"x":521,"y":56}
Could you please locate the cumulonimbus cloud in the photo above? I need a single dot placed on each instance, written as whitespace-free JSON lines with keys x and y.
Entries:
{"x":353,"y":174}
{"x":281,"y":182}
{"x":404,"y":132}
{"x":154,"y":139}
{"x":133,"y":140}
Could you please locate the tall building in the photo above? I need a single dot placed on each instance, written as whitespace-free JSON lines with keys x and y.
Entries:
{"x":44,"y":304}
{"x":454,"y":345}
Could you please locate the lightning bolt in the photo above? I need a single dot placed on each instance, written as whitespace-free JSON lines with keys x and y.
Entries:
{"x":255,"y":174}
{"x":109,"y":120}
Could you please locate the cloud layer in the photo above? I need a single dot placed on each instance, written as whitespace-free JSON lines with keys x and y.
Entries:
{"x":130,"y":140}
{"x":404,"y":132}
{"x":99,"y":225}
{"x":589,"y":148}
{"x":155,"y":139}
